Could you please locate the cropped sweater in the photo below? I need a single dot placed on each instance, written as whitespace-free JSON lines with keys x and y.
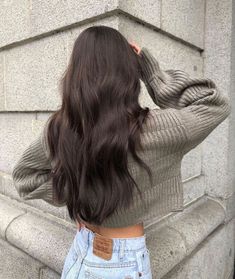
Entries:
{"x":190,"y":109}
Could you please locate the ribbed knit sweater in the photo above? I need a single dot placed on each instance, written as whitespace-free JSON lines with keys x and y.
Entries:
{"x":190,"y":109}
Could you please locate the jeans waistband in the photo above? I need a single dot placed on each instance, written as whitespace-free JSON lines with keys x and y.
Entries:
{"x":126,"y":244}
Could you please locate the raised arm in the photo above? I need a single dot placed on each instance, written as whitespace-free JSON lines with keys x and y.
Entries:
{"x":197,"y":103}
{"x":32,"y":172}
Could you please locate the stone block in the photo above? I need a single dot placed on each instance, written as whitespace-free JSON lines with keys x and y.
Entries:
{"x":20,"y":20}
{"x":50,"y":15}
{"x":7,"y":214}
{"x":197,"y":225}
{"x":16,"y":134}
{"x":47,"y":273}
{"x":219,"y":23}
{"x":32,"y":73}
{"x":184,"y":19}
{"x":46,"y":241}
{"x":2,"y":96}
{"x":228,"y":205}
{"x":149,"y":12}
{"x":215,"y":162}
{"x":20,"y":129}
{"x":219,"y":179}
{"x":218,"y":56}
{"x":191,"y":163}
{"x":173,"y":239}
{"x":43,"y":116}
{"x":167,"y":248}
{"x":214,"y":258}
{"x":14,"y":21}
{"x":194,"y":188}
{"x":16,"y":264}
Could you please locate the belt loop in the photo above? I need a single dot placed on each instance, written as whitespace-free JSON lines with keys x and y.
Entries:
{"x":122,"y":247}
{"x":139,"y":258}
{"x":88,"y":238}
{"x":86,"y":235}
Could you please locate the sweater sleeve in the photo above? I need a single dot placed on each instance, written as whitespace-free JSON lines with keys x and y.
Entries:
{"x":197,"y":104}
{"x":32,"y":172}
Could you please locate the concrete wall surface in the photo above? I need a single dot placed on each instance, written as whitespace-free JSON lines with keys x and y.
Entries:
{"x":36,"y":42}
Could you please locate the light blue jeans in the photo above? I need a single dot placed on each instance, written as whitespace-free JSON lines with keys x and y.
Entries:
{"x":130,"y":259}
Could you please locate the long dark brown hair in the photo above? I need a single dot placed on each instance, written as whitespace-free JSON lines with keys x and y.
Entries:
{"x":98,"y":124}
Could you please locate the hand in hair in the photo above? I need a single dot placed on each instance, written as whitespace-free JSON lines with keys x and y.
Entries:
{"x":135,"y":47}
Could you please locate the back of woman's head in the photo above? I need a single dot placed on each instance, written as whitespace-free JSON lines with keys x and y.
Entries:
{"x":98,"y":124}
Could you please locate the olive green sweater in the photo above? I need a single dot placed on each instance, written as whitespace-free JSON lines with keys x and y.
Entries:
{"x":190,"y":109}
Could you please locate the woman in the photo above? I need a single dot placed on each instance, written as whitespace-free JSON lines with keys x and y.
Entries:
{"x":114,"y":164}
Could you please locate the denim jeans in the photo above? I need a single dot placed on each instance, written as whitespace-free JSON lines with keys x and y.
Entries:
{"x":129,"y":257}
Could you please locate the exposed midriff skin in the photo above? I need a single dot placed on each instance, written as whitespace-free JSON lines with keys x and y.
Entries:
{"x":124,"y":232}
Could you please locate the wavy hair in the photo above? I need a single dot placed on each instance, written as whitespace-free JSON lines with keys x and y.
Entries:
{"x":98,"y":124}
